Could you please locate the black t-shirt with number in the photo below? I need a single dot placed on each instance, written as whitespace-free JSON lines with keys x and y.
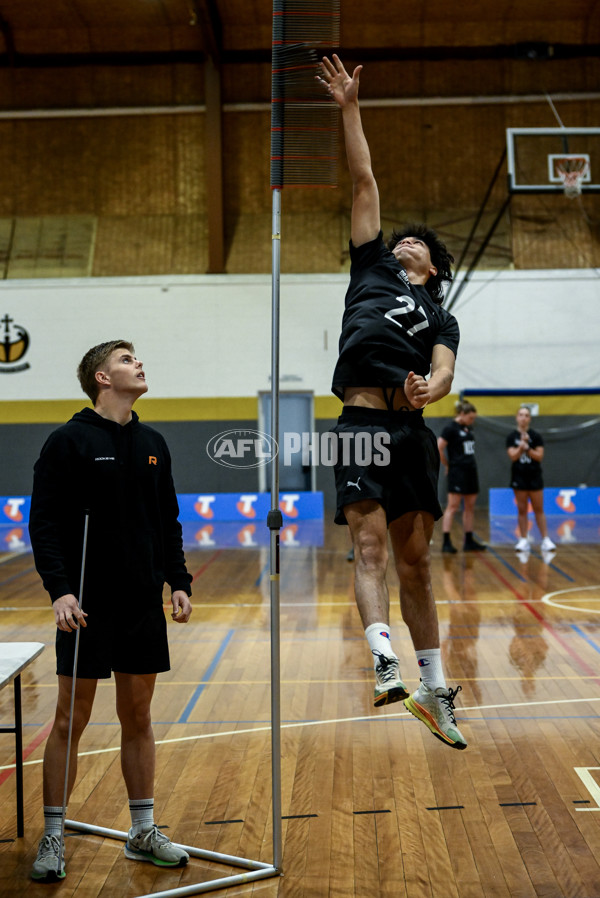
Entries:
{"x":390,"y":326}
{"x":461,"y":445}
{"x":525,"y":473}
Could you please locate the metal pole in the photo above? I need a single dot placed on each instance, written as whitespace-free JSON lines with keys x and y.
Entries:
{"x":73,"y":687}
{"x":19,"y":754}
{"x":274,"y":522}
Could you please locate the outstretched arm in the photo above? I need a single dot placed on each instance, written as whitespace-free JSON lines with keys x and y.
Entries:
{"x":365,"y":223}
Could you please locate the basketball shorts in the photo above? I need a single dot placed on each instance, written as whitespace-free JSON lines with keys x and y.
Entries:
{"x":391,"y":457}
{"x":463,"y":480}
{"x":121,"y":635}
{"x":530,"y":484}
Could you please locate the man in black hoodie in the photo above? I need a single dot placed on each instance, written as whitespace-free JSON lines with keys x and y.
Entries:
{"x":106,"y":464}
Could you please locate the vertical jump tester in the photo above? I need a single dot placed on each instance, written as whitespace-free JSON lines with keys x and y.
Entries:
{"x":304,"y":132}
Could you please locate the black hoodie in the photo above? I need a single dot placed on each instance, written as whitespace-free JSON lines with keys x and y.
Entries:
{"x":122,"y":475}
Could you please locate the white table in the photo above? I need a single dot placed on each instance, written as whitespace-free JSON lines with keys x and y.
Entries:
{"x":14,"y":658}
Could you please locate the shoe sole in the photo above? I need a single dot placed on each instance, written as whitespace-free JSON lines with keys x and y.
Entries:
{"x":50,"y":876}
{"x":396,"y":694}
{"x":134,"y":855}
{"x":425,"y":717}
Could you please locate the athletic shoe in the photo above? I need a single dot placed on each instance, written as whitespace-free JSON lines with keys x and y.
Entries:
{"x":45,"y":866}
{"x":448,"y":547}
{"x":547,"y":545}
{"x":389,"y":687}
{"x":522,"y":545}
{"x":154,"y":847}
{"x":436,"y":710}
{"x":473,"y":545}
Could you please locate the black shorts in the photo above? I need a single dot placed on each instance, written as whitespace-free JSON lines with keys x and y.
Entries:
{"x":404,"y":478}
{"x":529,"y":484}
{"x":121,"y":635}
{"x":463,"y":480}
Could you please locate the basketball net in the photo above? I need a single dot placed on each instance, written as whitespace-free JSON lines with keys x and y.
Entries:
{"x":572,"y":172}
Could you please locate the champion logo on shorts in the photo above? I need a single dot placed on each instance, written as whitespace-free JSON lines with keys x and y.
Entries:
{"x":384,"y":633}
{"x":423,"y":662}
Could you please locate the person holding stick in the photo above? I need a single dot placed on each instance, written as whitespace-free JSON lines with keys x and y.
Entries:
{"x":104,"y":465}
{"x":397,"y":355}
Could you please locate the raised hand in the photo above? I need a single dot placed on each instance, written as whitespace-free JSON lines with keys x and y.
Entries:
{"x":342,"y":87}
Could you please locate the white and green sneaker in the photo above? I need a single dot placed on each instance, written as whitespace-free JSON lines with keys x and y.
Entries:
{"x":389,"y":687}
{"x":45,"y":867}
{"x":435,"y":708}
{"x":154,"y":847}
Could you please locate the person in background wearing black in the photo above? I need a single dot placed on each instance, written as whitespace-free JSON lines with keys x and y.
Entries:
{"x":457,"y":453}
{"x":525,"y":448}
{"x":107,"y":464}
{"x":397,"y":354}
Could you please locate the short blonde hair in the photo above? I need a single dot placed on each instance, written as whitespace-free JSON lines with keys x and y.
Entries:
{"x":93,"y":360}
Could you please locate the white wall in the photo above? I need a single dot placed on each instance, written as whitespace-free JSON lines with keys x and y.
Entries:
{"x":211,"y":335}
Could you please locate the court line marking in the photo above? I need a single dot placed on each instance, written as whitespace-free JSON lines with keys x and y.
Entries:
{"x":314,"y":723}
{"x":547,"y":599}
{"x":12,"y":555}
{"x":201,"y":605}
{"x":106,"y":684}
{"x":549,"y":627}
{"x":200,"y":686}
{"x":583,"y":635}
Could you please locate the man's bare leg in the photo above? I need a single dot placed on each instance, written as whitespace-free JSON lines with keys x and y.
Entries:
{"x":138,"y":751}
{"x":410,"y":536}
{"x":432,"y":703}
{"x":145,"y":842}
{"x":368,"y":526}
{"x":55,"y":754}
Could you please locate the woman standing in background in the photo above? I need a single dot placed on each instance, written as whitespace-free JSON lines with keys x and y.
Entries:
{"x":457,"y":453}
{"x":525,"y":449}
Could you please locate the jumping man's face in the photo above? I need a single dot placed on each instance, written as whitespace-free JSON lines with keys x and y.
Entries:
{"x":125,"y":373}
{"x":414,"y":254}
{"x":523,"y":418}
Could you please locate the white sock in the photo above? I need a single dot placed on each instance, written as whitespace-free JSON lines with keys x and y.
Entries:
{"x":430,"y":668}
{"x":52,"y":820}
{"x":379,"y":639}
{"x":142,"y":814}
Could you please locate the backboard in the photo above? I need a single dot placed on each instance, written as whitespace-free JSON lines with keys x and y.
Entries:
{"x":535,"y":158}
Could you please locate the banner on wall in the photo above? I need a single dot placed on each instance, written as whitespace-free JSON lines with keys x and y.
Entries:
{"x":572,"y":515}
{"x":562,"y":501}
{"x":208,"y":519}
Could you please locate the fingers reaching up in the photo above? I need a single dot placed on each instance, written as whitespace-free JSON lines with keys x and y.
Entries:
{"x":342,"y":87}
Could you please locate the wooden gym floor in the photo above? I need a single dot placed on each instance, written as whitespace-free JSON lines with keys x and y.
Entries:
{"x":373,"y":804}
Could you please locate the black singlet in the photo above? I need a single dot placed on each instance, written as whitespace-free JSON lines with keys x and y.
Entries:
{"x":390,"y":326}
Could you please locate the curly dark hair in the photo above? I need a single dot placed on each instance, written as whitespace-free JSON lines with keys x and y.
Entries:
{"x":440,"y":257}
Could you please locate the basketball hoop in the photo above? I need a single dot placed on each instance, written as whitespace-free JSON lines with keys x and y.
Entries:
{"x":572,"y":171}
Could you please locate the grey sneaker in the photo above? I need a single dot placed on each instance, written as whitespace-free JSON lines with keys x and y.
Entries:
{"x":436,"y":710}
{"x":45,"y":866}
{"x":389,"y":687}
{"x":154,"y":847}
